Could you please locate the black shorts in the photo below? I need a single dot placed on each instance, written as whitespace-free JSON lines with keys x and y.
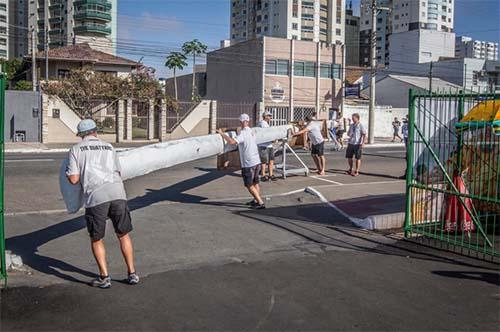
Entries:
{"x":117,"y":211}
{"x":250,"y":175}
{"x":354,"y":150}
{"x":318,"y":149}
{"x":266,"y":155}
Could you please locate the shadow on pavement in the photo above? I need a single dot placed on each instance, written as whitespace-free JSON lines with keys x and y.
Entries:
{"x":341,"y":234}
{"x":363,"y":207}
{"x":492,"y":278}
{"x":27,"y":245}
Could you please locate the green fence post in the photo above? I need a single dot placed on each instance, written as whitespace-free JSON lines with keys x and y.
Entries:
{"x":409,"y":162}
{"x":3,"y":270}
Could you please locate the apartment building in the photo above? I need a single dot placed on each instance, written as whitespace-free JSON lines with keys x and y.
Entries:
{"x":351,"y":37}
{"x":311,"y":20}
{"x":75,"y":21}
{"x":19,"y":42}
{"x":437,"y":15}
{"x":4,"y":29}
{"x":290,"y":78}
{"x":384,"y":30}
{"x":466,"y":47}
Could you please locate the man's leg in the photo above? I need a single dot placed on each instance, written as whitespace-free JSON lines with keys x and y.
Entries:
{"x":263,"y":170}
{"x":322,"y":161}
{"x":358,"y":166}
{"x":271,"y":167}
{"x":316,"y":162}
{"x":127,"y":251}
{"x":254,"y":190}
{"x":351,"y":164}
{"x":99,"y":252}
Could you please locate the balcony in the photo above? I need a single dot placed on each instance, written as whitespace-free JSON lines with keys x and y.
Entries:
{"x":92,"y":28}
{"x":57,"y":31}
{"x":93,"y":14}
{"x":104,"y":3}
{"x":55,"y":19}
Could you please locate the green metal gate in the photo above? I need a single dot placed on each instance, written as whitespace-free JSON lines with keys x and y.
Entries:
{"x":453,"y":172}
{"x":3,"y":271}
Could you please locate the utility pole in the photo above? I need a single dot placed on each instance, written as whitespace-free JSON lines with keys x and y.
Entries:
{"x":373,"y":69}
{"x":430,"y":79}
{"x":46,"y":36}
{"x":33,"y":59}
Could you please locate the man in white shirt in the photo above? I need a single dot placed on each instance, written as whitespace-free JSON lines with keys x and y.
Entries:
{"x":313,"y":130}
{"x":357,"y":135}
{"x":93,"y":164}
{"x":266,"y":150}
{"x":249,"y":158}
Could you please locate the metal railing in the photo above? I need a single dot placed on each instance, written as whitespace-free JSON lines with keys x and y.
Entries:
{"x":453,"y":173}
{"x":3,"y":269}
{"x":228,"y":114}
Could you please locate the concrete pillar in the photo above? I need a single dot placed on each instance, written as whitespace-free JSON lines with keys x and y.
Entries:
{"x":151,"y":120}
{"x":128,"y":120}
{"x":318,"y":80}
{"x":213,"y":117}
{"x":162,"y":122}
{"x":291,"y":104}
{"x":44,"y":137}
{"x":120,"y":121}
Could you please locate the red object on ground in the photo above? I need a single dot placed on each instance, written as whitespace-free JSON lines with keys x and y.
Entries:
{"x":457,"y":218}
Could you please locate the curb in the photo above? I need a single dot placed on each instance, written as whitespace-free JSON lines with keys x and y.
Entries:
{"x":374,"y":222}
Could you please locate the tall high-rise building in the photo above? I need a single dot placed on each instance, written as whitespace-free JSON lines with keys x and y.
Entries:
{"x":74,"y":21}
{"x":408,"y":15}
{"x":4,"y":29}
{"x":351,"y":37}
{"x":384,"y":29}
{"x":312,"y":20}
{"x":466,"y":47}
{"x":19,"y":43}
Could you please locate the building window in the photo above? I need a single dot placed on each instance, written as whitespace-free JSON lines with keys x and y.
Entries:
{"x":277,"y":67}
{"x":62,"y":73}
{"x":304,"y":68}
{"x":325,"y":70}
{"x":338,"y":32}
{"x":336,"y":71}
{"x":295,"y":8}
{"x":295,"y":26}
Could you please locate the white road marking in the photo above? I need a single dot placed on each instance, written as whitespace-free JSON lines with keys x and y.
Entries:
{"x":326,"y":180}
{"x":27,"y":160}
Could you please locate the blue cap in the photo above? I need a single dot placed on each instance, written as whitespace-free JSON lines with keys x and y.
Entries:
{"x":86,"y":126}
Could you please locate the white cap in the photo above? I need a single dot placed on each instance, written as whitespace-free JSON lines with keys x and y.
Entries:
{"x":86,"y":126}
{"x":244,"y":117}
{"x":267,"y":113}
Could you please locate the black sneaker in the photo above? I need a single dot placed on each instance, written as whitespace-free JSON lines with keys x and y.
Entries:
{"x":253,"y":202}
{"x":274,"y":178}
{"x":259,"y":206}
{"x":101,"y":282}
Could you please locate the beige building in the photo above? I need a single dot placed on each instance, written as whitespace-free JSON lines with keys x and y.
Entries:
{"x":290,"y":78}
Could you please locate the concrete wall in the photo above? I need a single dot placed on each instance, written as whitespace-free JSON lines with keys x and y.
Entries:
{"x":384,"y":115}
{"x":391,"y":92}
{"x":234,"y":74}
{"x":19,"y":115}
{"x":184,"y":86}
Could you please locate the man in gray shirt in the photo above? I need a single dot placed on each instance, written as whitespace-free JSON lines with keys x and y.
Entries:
{"x":93,"y":163}
{"x":357,"y":136}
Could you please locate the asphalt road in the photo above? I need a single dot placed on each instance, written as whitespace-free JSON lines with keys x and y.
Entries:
{"x":210,"y":264}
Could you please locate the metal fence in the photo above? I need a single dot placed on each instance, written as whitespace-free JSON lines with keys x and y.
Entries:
{"x":453,"y":173}
{"x":3,"y":271}
{"x":229,"y":113}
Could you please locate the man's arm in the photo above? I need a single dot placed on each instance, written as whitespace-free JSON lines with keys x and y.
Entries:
{"x":73,"y":171}
{"x":227,"y":138}
{"x":301,"y":132}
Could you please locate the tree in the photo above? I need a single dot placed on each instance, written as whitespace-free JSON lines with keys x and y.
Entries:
{"x":194,"y":48}
{"x":23,"y":85}
{"x":176,"y":60}
{"x":88,"y":92}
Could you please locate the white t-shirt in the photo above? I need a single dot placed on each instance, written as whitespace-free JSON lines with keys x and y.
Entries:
{"x":315,"y":132}
{"x":264,"y":124}
{"x":99,"y":169}
{"x":356,"y":132}
{"x":247,"y":145}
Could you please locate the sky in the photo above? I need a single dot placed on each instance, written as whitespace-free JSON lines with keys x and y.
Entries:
{"x":150,"y":29}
